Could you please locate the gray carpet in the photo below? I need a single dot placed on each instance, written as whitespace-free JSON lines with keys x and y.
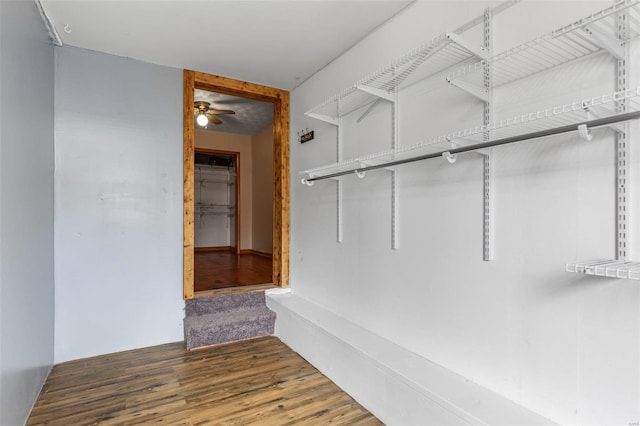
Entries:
{"x":227,"y":318}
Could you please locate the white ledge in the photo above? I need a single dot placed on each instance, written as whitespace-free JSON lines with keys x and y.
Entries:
{"x":396,"y":385}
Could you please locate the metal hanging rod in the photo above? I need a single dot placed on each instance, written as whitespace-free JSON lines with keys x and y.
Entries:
{"x":504,"y":141}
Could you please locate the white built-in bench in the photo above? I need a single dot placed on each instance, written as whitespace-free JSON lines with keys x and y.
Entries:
{"x":398,"y":386}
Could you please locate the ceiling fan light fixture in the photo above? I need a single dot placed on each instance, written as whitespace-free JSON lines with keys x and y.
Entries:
{"x":202,"y":119}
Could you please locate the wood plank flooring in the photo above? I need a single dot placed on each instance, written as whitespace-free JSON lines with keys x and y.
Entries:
{"x":220,"y":269}
{"x":254,"y":382}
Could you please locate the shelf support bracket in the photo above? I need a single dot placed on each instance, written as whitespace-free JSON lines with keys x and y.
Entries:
{"x":618,"y":127}
{"x":479,"y":92}
{"x":479,"y":51}
{"x":324,"y":118}
{"x":607,"y":42}
{"x":382,"y":94}
{"x":368,"y":110}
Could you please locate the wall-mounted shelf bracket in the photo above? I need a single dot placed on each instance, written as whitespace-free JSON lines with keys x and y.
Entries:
{"x":604,"y":40}
{"x":477,"y":91}
{"x":618,"y":127}
{"x":368,"y":110}
{"x":324,"y":118}
{"x":382,"y":94}
{"x":479,"y":51}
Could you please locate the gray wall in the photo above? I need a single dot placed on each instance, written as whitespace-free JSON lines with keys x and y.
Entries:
{"x":26,"y":209}
{"x":118,"y":210}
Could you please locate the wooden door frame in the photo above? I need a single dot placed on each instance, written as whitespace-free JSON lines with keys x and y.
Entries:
{"x":236,"y":156}
{"x":280,"y":100}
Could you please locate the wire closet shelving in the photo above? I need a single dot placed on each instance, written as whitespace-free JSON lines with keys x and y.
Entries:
{"x":440,"y":53}
{"x":572,"y":116}
{"x":595,"y":33}
{"x":608,"y":30}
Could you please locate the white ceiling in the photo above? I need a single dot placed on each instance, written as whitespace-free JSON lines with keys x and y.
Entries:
{"x":278,"y":43}
{"x":251,"y":116}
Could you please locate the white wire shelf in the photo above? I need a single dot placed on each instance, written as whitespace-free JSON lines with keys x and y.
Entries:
{"x":221,"y":179}
{"x":594,"y":33}
{"x":606,"y":268}
{"x":563,"y":115}
{"x":441,"y":52}
{"x":209,"y":208}
{"x":437,"y":55}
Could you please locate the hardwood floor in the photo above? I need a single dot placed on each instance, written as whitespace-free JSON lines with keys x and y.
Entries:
{"x":221,"y":269}
{"x":259,"y":381}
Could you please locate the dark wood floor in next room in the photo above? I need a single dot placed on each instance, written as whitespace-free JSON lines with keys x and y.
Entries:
{"x":222,"y":269}
{"x":259,"y":381}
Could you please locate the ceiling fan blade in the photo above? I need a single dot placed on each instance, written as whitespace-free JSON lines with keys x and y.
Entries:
{"x":214,"y":119}
{"x":221,"y":111}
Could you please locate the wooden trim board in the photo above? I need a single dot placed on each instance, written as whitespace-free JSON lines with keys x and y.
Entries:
{"x":188,"y":159}
{"x":280,"y":100}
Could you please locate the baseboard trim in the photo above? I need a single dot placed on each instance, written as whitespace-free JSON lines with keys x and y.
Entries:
{"x":221,"y":248}
{"x":396,"y":385}
{"x":256,"y":252}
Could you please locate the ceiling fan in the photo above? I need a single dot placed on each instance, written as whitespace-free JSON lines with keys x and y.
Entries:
{"x":205,"y":114}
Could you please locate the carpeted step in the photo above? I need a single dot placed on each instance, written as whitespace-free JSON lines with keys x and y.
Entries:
{"x":228,"y":326}
{"x":223,"y":303}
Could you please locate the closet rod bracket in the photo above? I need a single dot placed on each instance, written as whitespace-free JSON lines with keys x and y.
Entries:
{"x":449,"y":157}
{"x":585,"y":132}
{"x":360,"y":174}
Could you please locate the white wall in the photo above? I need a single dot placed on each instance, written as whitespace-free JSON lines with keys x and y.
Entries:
{"x":26,"y":209}
{"x":118,"y":208}
{"x":563,"y":345}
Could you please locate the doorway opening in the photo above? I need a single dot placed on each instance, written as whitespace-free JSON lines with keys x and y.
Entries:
{"x":233,"y":204}
{"x":215,"y":201}
{"x":218,"y":206}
